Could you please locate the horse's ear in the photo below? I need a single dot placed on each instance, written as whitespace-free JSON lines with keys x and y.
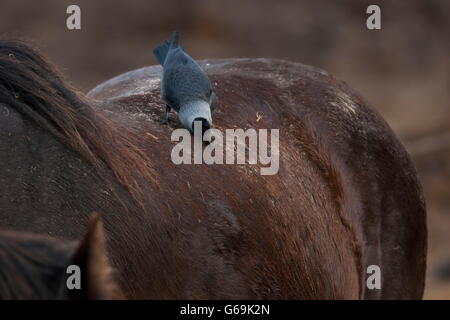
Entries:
{"x":96,"y":272}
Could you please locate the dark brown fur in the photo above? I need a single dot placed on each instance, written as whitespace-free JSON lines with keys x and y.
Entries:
{"x":346,"y":195}
{"x":36,"y":90}
{"x":34,"y":266}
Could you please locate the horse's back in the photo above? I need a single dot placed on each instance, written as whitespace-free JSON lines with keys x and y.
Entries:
{"x":346,"y":195}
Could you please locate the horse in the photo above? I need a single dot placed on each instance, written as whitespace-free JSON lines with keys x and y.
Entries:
{"x":346,"y":196}
{"x":35,"y":266}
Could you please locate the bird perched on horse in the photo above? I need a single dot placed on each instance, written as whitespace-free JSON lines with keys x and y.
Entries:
{"x":185,"y":87}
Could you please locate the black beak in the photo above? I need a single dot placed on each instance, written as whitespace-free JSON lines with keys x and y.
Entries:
{"x":205,"y":124}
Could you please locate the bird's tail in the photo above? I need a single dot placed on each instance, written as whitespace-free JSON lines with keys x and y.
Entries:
{"x":175,"y":39}
{"x":161,"y":51}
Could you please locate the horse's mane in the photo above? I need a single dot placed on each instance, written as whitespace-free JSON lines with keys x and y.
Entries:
{"x":30,"y":85}
{"x":29,"y":265}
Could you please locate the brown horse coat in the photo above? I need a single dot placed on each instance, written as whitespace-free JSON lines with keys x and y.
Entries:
{"x":346,"y":195}
{"x":35,"y":266}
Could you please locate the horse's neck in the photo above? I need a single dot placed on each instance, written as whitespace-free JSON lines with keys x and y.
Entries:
{"x":32,"y":266}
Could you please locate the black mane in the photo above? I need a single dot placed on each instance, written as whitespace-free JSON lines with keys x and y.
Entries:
{"x":31,"y":266}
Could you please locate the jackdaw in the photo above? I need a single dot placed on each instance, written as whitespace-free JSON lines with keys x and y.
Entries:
{"x":185,"y":87}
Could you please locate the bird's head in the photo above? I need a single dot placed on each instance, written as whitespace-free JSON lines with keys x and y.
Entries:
{"x":196,"y":110}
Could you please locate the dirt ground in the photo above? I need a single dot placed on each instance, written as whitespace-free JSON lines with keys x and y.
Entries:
{"x":402,"y":69}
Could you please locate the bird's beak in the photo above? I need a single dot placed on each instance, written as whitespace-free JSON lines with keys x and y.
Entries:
{"x":197,"y":110}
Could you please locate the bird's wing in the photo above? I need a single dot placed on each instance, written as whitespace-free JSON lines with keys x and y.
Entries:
{"x":213,"y":101}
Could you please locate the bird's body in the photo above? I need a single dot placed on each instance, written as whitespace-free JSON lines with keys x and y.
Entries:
{"x":185,"y":87}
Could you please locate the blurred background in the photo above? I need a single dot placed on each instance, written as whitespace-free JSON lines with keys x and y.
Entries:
{"x":403,"y":69}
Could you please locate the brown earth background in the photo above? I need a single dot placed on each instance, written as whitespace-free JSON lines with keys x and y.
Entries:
{"x":402,"y":69}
